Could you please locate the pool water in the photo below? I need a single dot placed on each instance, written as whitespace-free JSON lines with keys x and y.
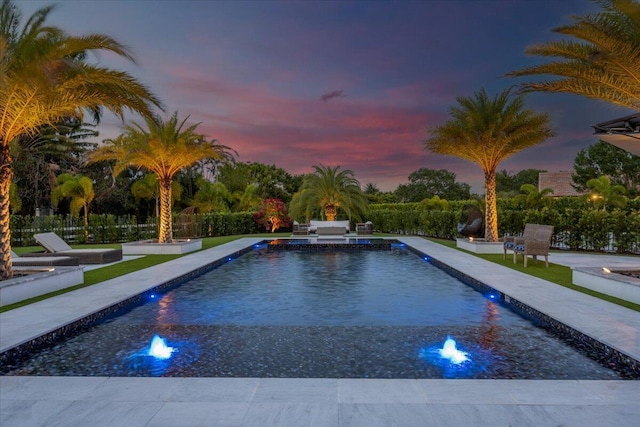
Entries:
{"x":320,"y":314}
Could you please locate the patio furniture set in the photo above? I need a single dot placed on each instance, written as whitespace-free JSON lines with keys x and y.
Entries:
{"x":330,"y":228}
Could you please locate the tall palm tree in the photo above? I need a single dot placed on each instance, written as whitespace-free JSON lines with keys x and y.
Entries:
{"x":604,"y":194}
{"x":486,"y":131}
{"x":77,"y":188}
{"x":330,"y":190}
{"x":603,"y":63}
{"x":44,"y":77}
{"x":164,"y":148}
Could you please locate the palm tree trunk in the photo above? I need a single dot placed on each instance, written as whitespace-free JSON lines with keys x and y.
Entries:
{"x":165,"y":234}
{"x":491,"y":207}
{"x":86,"y":223}
{"x":6,"y":270}
{"x":330,"y":212}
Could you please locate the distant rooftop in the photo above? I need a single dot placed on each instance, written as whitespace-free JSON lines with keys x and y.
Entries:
{"x":623,"y":133}
{"x":559,"y":182}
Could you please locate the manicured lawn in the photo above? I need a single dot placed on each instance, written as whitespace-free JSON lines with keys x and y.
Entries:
{"x":556,"y":273}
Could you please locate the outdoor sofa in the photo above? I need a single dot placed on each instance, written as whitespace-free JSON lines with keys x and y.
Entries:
{"x":333,"y":228}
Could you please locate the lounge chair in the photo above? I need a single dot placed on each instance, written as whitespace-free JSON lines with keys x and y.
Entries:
{"x":43,"y":261}
{"x":364,"y":228}
{"x":536,"y":240}
{"x":55,"y":245}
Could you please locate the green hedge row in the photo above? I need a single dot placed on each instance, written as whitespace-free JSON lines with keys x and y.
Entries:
{"x":574,"y":228}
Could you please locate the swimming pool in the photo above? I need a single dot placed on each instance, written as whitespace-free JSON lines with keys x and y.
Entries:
{"x":346,"y":314}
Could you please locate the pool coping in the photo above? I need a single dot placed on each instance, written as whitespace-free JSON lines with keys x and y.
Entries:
{"x":327,"y":402}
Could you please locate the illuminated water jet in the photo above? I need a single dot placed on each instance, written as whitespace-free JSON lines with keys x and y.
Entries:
{"x":159,"y":348}
{"x":449,"y":351}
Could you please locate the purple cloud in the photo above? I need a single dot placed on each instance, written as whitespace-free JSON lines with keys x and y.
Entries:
{"x":335,"y":94}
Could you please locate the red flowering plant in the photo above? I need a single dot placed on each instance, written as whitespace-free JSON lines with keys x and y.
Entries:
{"x":272,"y":215}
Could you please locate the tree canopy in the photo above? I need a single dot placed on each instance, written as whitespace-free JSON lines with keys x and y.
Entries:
{"x":164,"y":148}
{"x":45,"y":77}
{"x":329,"y":192}
{"x":508,"y":184}
{"x":599,"y":59}
{"x":425,"y":183}
{"x":486,"y":131}
{"x":601,"y":158}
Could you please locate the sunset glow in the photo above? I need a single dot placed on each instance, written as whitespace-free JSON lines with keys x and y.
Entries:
{"x":354,"y":84}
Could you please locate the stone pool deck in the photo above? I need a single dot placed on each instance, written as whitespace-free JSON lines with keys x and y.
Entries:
{"x":116,"y":401}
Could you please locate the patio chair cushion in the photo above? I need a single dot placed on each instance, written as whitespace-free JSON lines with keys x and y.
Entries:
{"x":41,"y":261}
{"x":54,"y":244}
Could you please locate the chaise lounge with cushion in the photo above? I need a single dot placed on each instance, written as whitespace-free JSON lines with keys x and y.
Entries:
{"x":55,"y":245}
{"x":43,"y":261}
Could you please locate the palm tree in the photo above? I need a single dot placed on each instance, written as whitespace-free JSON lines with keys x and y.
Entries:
{"x":164,"y":148}
{"x":604,"y":194}
{"x":247,"y":200}
{"x":603,"y":63}
{"x":534,"y":199}
{"x":45,"y":77}
{"x":211,"y":197}
{"x":329,"y":190}
{"x":80,"y":190}
{"x":487,"y":131}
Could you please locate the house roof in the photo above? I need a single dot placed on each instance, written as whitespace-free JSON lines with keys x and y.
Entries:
{"x":559,"y":182}
{"x":623,"y":132}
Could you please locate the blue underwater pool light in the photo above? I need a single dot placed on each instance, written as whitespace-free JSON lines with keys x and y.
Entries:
{"x":493,"y":295}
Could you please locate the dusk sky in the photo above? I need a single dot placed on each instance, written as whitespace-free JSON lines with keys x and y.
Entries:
{"x":349,"y":83}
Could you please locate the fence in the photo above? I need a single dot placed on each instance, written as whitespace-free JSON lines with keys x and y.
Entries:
{"x":113,"y":229}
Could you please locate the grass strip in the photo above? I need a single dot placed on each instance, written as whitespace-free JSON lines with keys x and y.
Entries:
{"x":558,"y":274}
{"x":120,"y":269}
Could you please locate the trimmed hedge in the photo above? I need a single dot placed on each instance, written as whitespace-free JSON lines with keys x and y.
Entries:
{"x":577,"y":226}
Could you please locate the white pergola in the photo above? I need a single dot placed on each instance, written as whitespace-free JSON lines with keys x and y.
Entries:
{"x":623,"y":133}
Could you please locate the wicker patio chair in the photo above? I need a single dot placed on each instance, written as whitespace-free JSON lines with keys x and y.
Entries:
{"x":365,"y":228}
{"x":537,"y":243}
{"x":300,"y":229}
